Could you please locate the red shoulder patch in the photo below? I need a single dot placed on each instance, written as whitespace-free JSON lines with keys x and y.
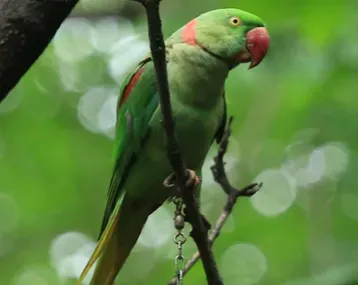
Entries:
{"x":189,"y":33}
{"x":128,"y":89}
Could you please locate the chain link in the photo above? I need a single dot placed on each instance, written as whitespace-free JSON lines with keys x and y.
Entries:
{"x":179,"y":239}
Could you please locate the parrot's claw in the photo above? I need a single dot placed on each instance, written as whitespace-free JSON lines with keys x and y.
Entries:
{"x":169,"y":181}
{"x":193,"y":180}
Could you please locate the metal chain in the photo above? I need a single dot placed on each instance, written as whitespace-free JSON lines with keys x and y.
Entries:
{"x":179,"y":239}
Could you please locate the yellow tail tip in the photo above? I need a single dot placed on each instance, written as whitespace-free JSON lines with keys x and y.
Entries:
{"x":105,"y":237}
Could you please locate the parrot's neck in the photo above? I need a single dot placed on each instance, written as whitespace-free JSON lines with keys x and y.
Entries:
{"x":196,"y":78}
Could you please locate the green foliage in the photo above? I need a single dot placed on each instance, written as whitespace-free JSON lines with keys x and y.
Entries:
{"x":295,"y":128}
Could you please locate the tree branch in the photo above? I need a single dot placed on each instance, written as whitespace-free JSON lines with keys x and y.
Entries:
{"x":184,"y":178}
{"x":26,"y":28}
{"x":220,"y":176}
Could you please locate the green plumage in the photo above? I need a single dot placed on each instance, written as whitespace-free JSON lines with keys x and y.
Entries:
{"x":199,"y":60}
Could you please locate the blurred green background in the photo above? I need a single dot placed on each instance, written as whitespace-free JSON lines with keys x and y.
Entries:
{"x":295,"y":129}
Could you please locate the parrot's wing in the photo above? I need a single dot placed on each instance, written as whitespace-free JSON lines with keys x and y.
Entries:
{"x":138,"y":100}
{"x":136,"y":105}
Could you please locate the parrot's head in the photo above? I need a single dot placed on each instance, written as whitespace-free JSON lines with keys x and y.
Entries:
{"x":232,"y":35}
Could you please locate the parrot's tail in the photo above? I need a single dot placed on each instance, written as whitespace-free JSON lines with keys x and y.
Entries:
{"x":115,"y":245}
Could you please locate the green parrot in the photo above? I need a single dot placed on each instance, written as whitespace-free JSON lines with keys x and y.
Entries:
{"x":199,"y":58}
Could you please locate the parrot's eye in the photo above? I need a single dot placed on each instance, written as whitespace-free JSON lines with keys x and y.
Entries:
{"x":235,"y":21}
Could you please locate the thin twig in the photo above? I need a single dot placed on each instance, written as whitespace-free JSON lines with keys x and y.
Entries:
{"x":219,"y":173}
{"x":185,"y":179}
{"x":218,"y":170}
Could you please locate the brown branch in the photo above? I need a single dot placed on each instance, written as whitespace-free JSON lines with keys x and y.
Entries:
{"x":26,"y":28}
{"x":218,"y":170}
{"x":184,"y":178}
{"x":219,"y":173}
{"x":157,"y":48}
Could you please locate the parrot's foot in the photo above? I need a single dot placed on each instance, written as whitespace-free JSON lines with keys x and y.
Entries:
{"x":192,"y":181}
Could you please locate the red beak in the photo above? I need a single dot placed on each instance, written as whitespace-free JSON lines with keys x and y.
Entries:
{"x":257,"y":43}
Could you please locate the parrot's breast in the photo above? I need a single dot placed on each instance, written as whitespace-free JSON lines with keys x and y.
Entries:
{"x":196,"y":83}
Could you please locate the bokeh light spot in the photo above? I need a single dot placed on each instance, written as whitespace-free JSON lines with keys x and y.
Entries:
{"x":90,"y":109}
{"x":158,"y":229}
{"x":277,"y":194}
{"x":243,"y":264}
{"x":72,"y":40}
{"x":327,"y":161}
{"x":69,"y":253}
{"x":107,"y":115}
{"x":125,"y":55}
{"x":336,"y":156}
{"x":80,"y":76}
{"x":108,"y":31}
